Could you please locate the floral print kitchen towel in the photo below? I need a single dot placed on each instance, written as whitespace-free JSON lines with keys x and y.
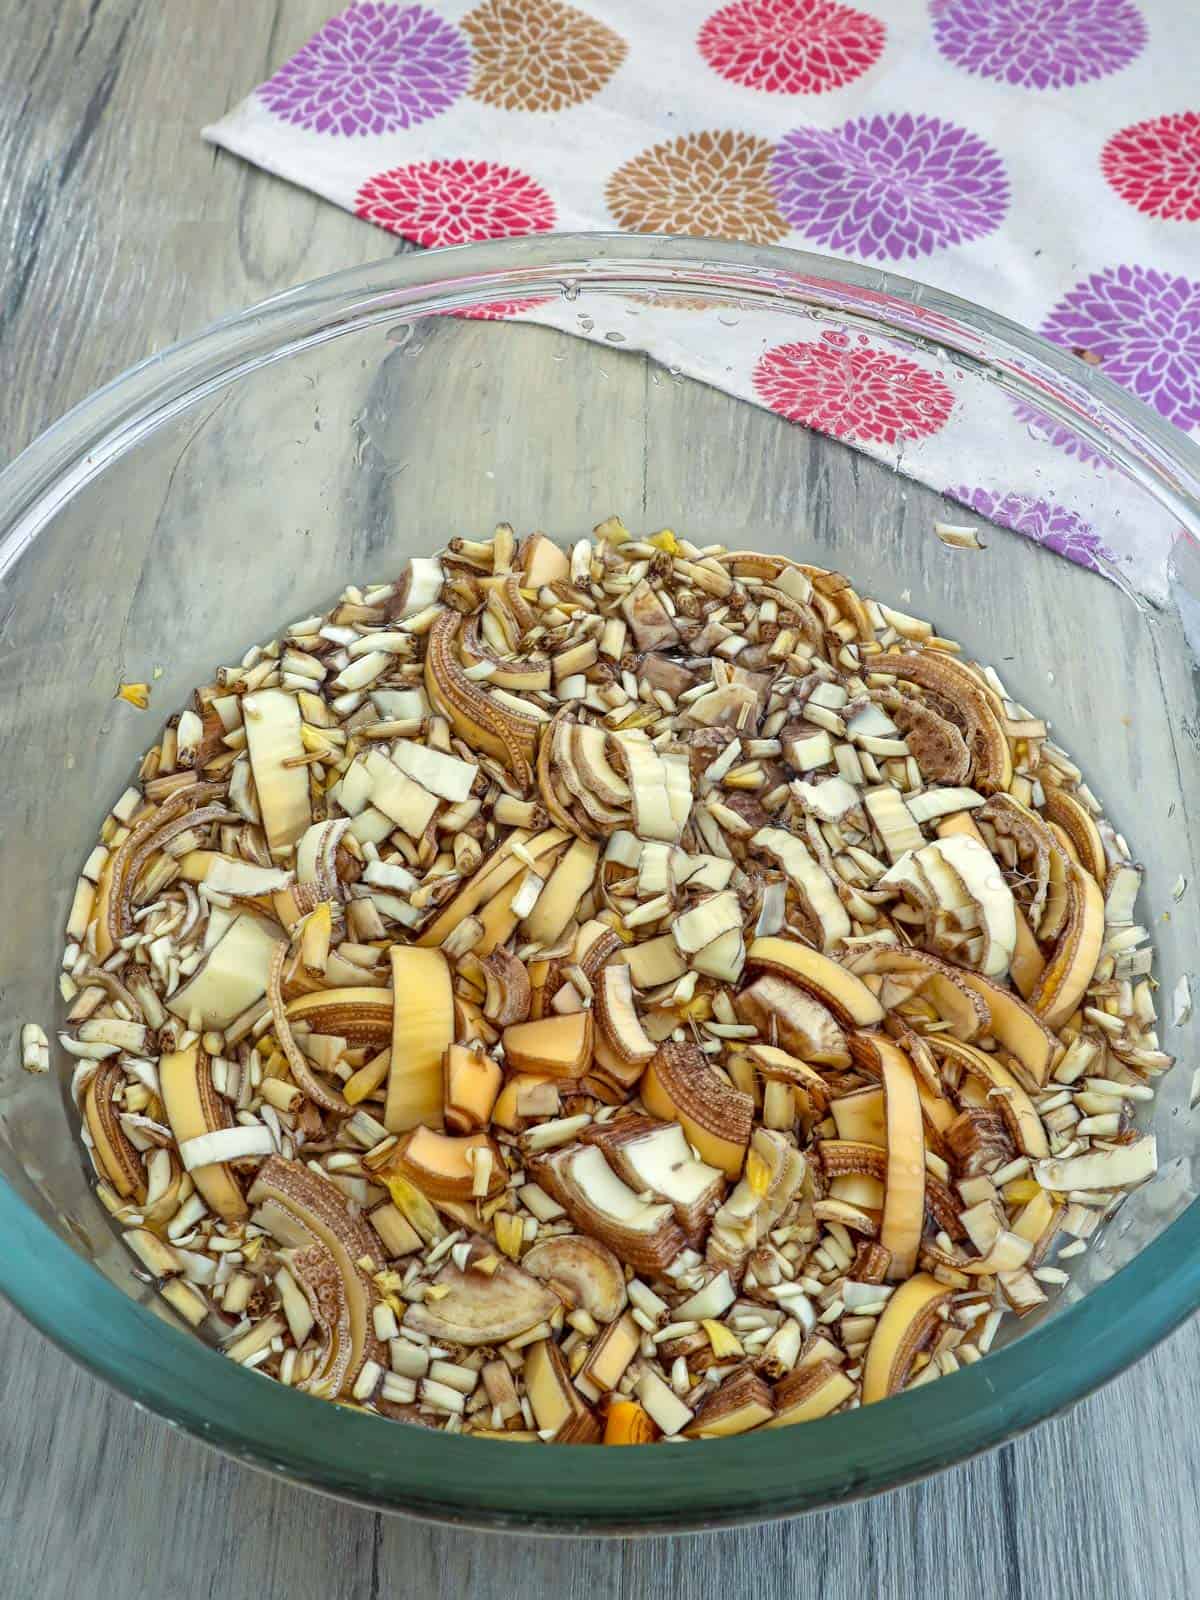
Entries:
{"x":1039,"y":156}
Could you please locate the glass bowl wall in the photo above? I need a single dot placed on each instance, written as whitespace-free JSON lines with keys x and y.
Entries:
{"x":239,"y":480}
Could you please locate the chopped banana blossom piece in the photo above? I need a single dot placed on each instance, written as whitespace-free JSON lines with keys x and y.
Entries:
{"x":634,"y":992}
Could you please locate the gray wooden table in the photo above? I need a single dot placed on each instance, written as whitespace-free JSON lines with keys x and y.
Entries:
{"x":119,"y":232}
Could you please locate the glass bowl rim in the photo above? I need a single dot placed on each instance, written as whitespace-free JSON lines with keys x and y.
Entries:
{"x":587,"y":1491}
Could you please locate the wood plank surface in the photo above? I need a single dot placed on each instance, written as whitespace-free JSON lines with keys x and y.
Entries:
{"x":119,"y":232}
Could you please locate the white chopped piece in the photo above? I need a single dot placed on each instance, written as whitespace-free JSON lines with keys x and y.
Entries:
{"x":942,"y":802}
{"x":706,"y":922}
{"x":443,"y":775}
{"x":559,"y":1131}
{"x":407,"y":1359}
{"x":808,"y":754}
{"x":226,"y":1144}
{"x":35,"y":1048}
{"x":87,"y":1052}
{"x":367,"y":1381}
{"x":1181,"y":1001}
{"x":959,"y":536}
{"x":441,"y":1396}
{"x":711,"y":1301}
{"x":858,"y":1296}
{"x":1118,"y":1166}
{"x":661,"y":1402}
{"x":644,"y":1298}
{"x":830,"y":799}
{"x":454,"y":1376}
{"x":399,"y":1391}
{"x":389,"y":875}
{"x":526,"y":897}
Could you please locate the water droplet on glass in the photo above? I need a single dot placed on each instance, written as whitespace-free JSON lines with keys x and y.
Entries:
{"x":615,"y":338}
{"x":729,"y":322}
{"x":570,"y":290}
{"x":586,"y":323}
{"x":400,"y":334}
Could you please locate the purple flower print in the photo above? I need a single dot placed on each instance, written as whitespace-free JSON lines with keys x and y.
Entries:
{"x":1054,"y":526}
{"x":373,"y":69}
{"x":1142,"y":328}
{"x":889,"y":186}
{"x":1039,"y":44}
{"x":1048,"y":431}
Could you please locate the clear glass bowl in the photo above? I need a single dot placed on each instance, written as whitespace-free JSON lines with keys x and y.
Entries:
{"x":237,"y":481}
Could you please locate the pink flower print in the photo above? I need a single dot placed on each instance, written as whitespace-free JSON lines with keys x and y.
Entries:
{"x":857,"y":392}
{"x":1155,"y":165}
{"x":791,"y":46}
{"x":501,"y":310}
{"x":452,"y":202}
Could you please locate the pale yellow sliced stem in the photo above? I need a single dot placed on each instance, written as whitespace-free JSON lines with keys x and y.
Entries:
{"x":423,"y":1030}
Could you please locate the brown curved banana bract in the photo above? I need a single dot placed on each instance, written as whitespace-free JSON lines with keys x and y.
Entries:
{"x":306,"y":1208}
{"x":906,"y":1326}
{"x":851,"y":1002}
{"x":946,"y":676}
{"x":680,"y":1085}
{"x":471,"y":711}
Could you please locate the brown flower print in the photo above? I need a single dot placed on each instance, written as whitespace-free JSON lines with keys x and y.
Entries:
{"x":539,"y":55}
{"x":707,"y":184}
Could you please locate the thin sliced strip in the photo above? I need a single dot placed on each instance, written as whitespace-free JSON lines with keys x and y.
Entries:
{"x":1027,"y":961}
{"x":194,"y":1109}
{"x":904,"y":1191}
{"x":306,"y":1078}
{"x":1015,"y":1105}
{"x":1067,"y":974}
{"x":120,"y":1161}
{"x":1014,"y":1025}
{"x":1076,"y":821}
